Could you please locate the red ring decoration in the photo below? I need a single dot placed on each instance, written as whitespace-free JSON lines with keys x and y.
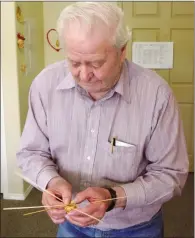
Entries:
{"x":56,"y":49}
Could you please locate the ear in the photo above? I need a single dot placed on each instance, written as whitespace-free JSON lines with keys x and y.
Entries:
{"x":123,"y":52}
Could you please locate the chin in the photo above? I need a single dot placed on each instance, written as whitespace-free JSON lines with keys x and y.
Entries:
{"x":90,"y":88}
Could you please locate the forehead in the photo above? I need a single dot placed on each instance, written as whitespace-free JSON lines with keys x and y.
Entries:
{"x":86,"y":51}
{"x":79,"y":42}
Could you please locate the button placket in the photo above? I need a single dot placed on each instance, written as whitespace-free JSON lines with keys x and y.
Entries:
{"x":91,"y":144}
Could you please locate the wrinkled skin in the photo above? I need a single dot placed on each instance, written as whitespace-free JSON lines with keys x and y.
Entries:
{"x":58,"y":187}
{"x":96,"y":210}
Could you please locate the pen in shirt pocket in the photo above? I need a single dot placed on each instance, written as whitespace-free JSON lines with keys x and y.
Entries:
{"x":117,"y":143}
{"x":113,"y":143}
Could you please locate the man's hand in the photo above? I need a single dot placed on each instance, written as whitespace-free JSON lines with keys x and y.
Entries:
{"x":97,"y":209}
{"x":62,"y":189}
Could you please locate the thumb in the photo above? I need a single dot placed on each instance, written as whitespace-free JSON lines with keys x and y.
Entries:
{"x":66,"y":195}
{"x":66,"y":198}
{"x":80,"y":197}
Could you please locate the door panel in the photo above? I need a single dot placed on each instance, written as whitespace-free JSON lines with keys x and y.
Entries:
{"x":169,"y":21}
{"x":182,"y":71}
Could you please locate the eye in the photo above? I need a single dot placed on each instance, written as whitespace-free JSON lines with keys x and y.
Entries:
{"x":97,"y":65}
{"x":74,"y":63}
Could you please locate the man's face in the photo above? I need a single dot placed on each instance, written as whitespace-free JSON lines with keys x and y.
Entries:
{"x":94,"y":63}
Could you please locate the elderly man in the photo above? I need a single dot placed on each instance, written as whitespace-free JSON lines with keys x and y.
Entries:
{"x":100,"y":127}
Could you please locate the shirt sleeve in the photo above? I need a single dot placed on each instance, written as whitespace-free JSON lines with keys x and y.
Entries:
{"x":34,"y":157}
{"x":167,"y":168}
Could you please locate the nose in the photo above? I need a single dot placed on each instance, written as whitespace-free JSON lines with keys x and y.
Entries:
{"x":85,"y":73}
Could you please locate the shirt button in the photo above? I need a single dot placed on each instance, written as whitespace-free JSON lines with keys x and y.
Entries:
{"x":92,"y":130}
{"x":88,"y":157}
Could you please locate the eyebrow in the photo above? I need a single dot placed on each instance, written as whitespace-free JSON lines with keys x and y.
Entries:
{"x":92,"y":61}
{"x":97,"y":58}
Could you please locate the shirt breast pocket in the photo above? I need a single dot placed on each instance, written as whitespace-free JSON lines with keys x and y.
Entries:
{"x":120,"y":163}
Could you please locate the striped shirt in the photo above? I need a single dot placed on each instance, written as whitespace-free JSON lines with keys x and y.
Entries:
{"x":68,"y":134}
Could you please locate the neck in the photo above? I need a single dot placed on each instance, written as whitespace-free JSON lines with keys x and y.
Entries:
{"x":98,"y":96}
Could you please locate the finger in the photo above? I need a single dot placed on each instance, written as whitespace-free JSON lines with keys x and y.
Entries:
{"x":46,"y":197}
{"x":53,"y":217}
{"x":58,"y":221}
{"x":89,"y":209}
{"x":83,"y":213}
{"x":93,"y":223}
{"x":48,"y":200}
{"x":76,"y":213}
{"x":95,"y":209}
{"x":81,"y":196}
{"x":58,"y":217}
{"x":54,"y":202}
{"x":57,"y":213}
{"x":66,"y":198}
{"x":96,"y":216}
{"x":83,"y":218}
{"x":53,"y":193}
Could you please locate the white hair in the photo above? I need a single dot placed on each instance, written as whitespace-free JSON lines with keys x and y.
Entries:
{"x":92,"y":13}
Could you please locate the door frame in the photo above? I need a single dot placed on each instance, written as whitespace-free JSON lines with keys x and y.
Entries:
{"x":4,"y":177}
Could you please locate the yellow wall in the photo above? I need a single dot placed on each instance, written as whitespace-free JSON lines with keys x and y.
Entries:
{"x":51,"y":12}
{"x":34,"y":12}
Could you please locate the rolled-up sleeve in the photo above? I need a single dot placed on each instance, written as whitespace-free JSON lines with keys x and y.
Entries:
{"x":34,"y":157}
{"x":166,"y":153}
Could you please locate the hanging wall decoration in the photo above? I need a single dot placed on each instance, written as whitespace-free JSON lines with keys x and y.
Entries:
{"x":20,"y":40}
{"x":19,"y":15}
{"x":23,"y":68}
{"x":50,"y":37}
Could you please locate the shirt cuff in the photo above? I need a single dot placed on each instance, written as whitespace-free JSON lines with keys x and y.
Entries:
{"x":45,"y":176}
{"x":135,"y":194}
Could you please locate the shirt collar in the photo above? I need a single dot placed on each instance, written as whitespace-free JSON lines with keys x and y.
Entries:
{"x":67,"y":83}
{"x":123,"y":85}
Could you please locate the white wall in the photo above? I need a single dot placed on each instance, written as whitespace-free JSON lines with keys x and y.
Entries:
{"x":12,"y":185}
